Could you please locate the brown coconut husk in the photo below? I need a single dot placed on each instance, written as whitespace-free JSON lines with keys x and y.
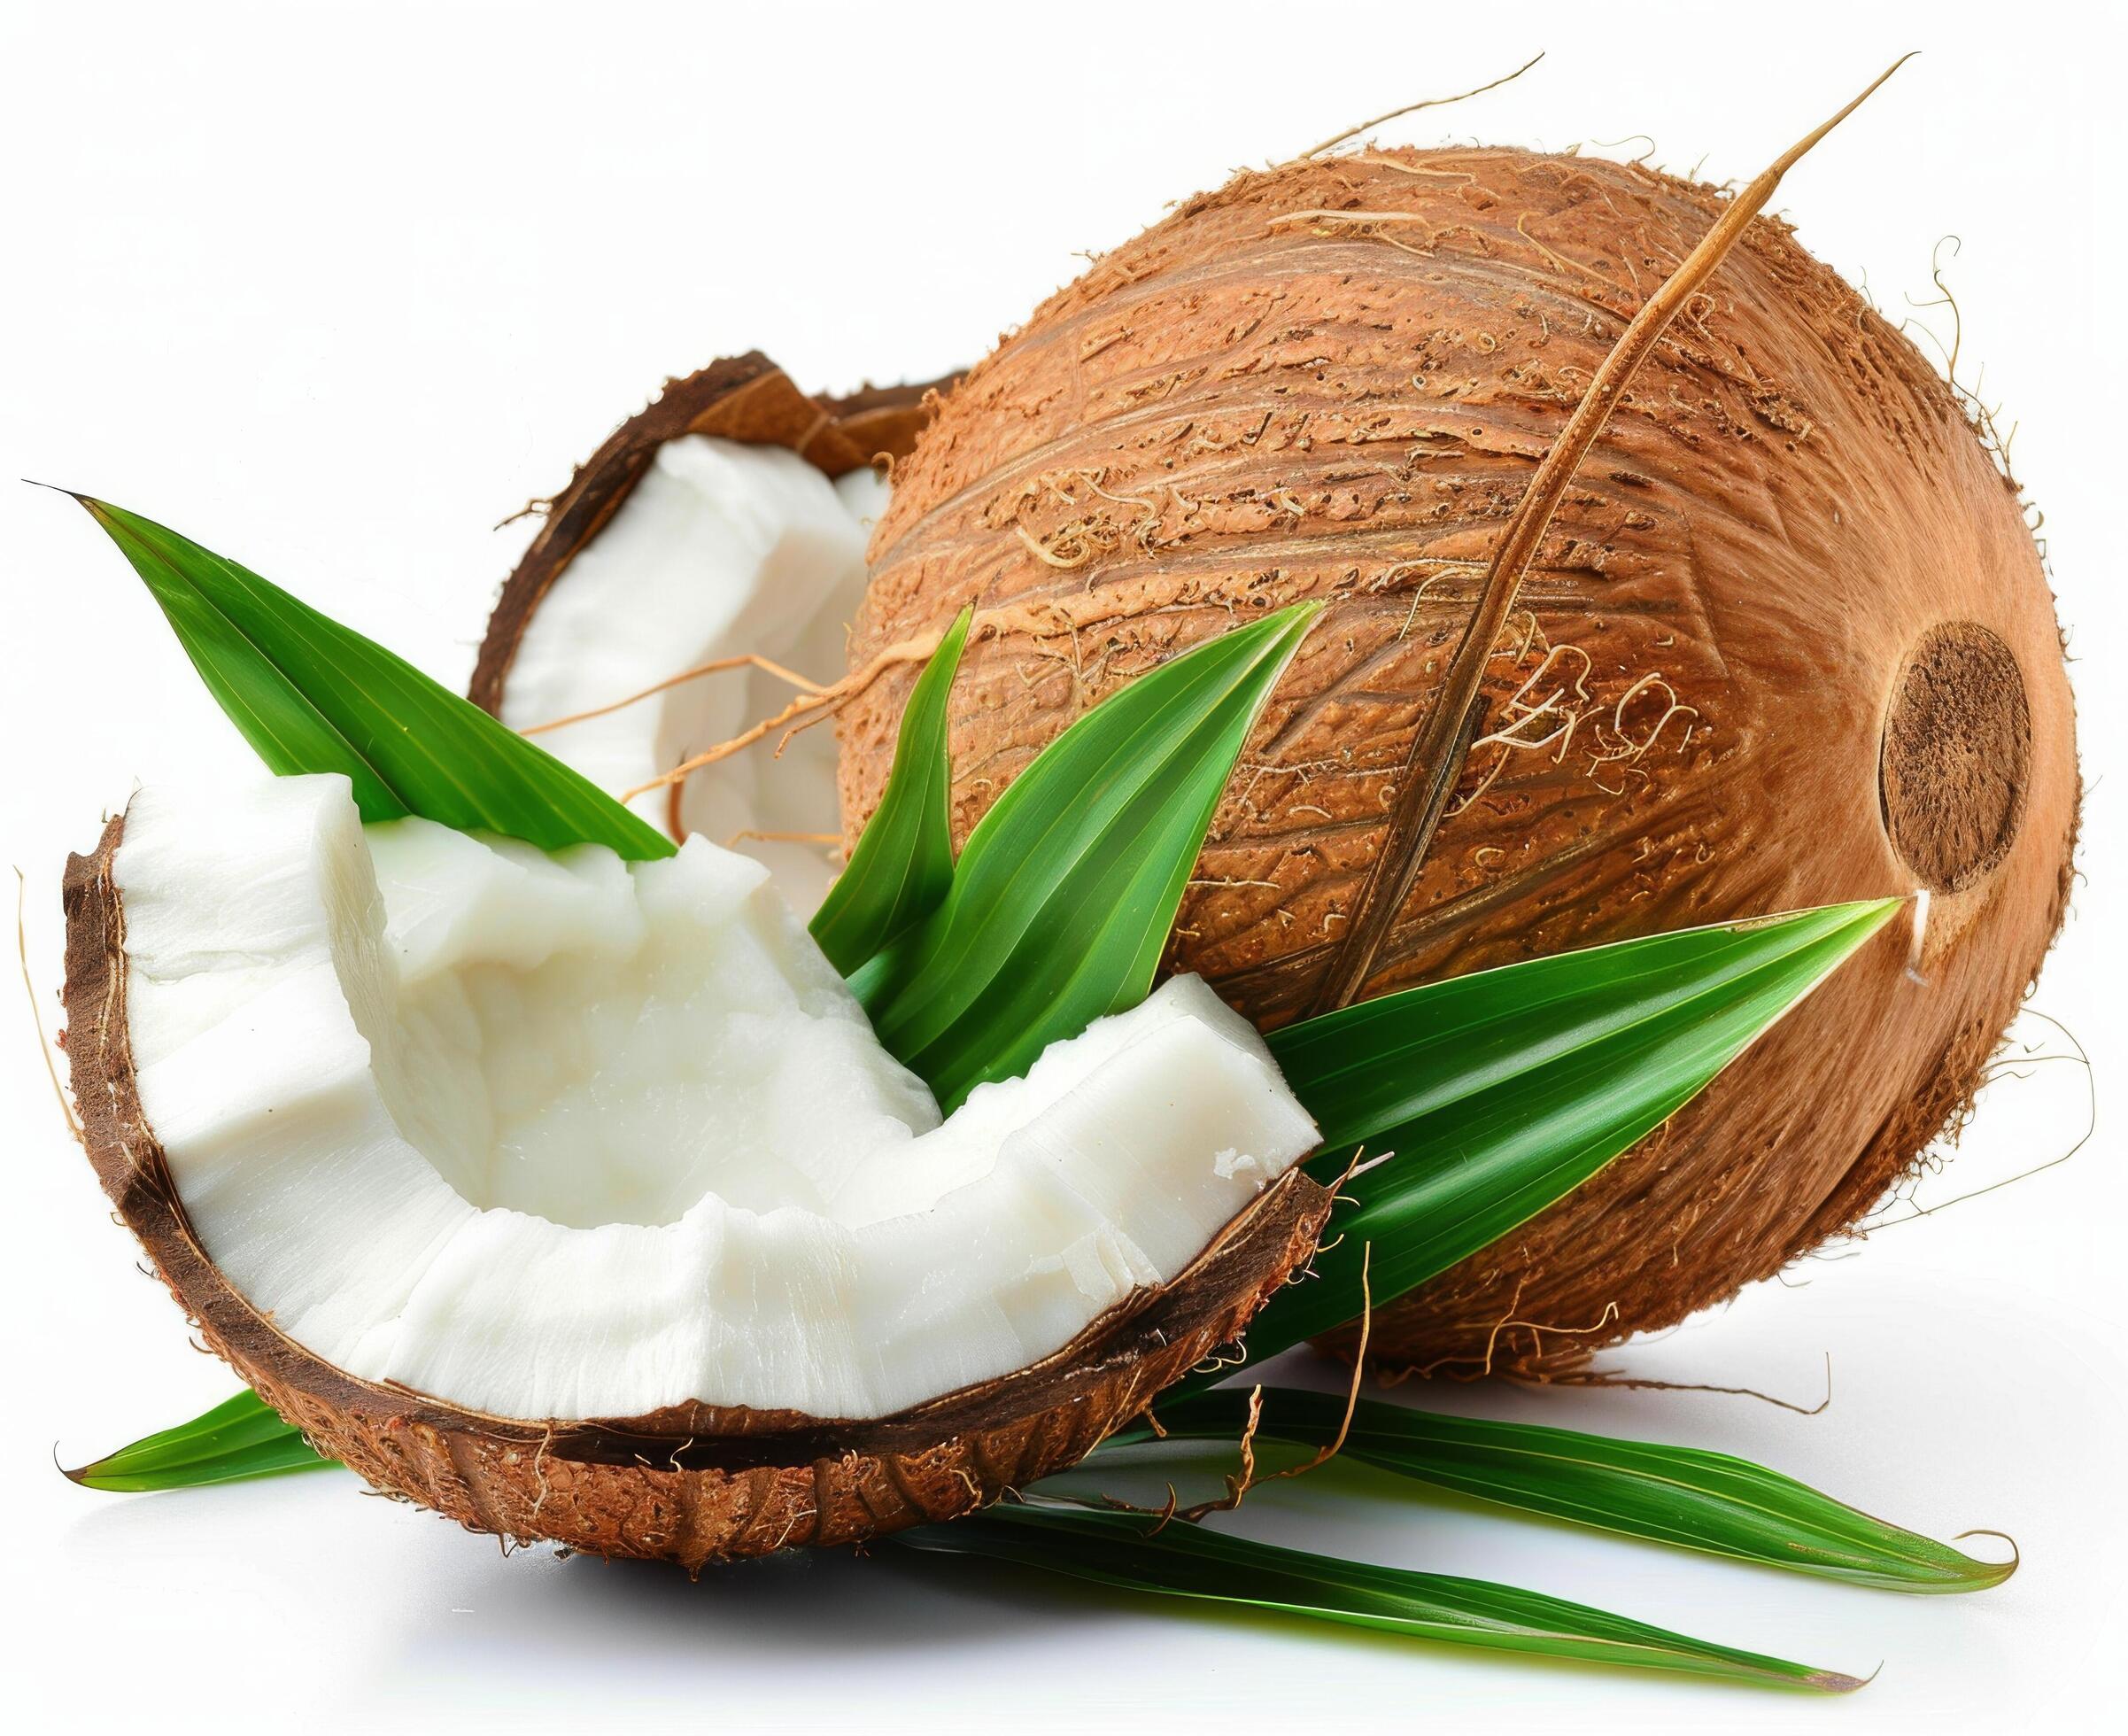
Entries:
{"x":1786,"y":641}
{"x":692,"y":1484}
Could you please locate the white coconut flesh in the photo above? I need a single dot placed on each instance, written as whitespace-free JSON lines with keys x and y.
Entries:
{"x":564,"y":1137}
{"x":720,"y":550}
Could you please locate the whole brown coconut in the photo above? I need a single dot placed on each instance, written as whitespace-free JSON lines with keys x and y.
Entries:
{"x":1787,"y":641}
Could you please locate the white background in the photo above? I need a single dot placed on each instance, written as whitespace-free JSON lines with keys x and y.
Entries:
{"x":333,"y":289}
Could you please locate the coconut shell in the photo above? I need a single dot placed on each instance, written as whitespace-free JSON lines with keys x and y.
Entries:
{"x":738,"y":398}
{"x":1787,"y":641}
{"x":692,"y":1484}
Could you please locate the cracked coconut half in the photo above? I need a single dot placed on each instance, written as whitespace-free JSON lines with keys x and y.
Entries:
{"x":723,"y":530}
{"x":576,"y":1199}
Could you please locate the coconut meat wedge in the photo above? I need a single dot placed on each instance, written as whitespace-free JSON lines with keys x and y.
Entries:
{"x":721,"y":551}
{"x":575,"y":1197}
{"x":725,"y":522}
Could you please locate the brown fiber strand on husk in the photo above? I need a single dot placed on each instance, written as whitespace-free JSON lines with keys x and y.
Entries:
{"x":691,"y":1483}
{"x":1787,"y":641}
{"x":742,"y":398}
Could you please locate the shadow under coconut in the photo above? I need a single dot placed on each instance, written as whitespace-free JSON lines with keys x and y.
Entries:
{"x":824,"y":1616}
{"x":813,"y":1603}
{"x":463,"y":1605}
{"x":831,"y":1617}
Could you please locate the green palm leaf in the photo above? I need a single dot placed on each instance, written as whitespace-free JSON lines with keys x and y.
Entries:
{"x":1683,"y":1496}
{"x":1194,"y":1561}
{"x":1066,"y":889}
{"x":239,"y":1440}
{"x":902,"y":866}
{"x":1501,"y":1092}
{"x":311,"y":695}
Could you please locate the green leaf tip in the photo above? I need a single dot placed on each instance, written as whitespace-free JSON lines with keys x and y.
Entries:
{"x":238,"y":1441}
{"x":311,"y":695}
{"x":1986,"y":1575}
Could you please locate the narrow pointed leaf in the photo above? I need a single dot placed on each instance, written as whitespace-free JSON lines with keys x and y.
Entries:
{"x":1066,"y":889}
{"x":1192,"y":1561}
{"x":239,"y":1440}
{"x":311,"y":695}
{"x":236,"y":1423}
{"x":1683,"y":1496}
{"x":1377,"y":1069}
{"x":903,"y":863}
{"x":273,"y":1458}
{"x":1501,"y":1092}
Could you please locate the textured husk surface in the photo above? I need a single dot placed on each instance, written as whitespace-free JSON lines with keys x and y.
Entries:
{"x":1788,"y":642}
{"x":742,"y":398}
{"x":693,"y":1484}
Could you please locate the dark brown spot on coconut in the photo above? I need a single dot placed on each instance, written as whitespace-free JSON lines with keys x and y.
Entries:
{"x":1956,"y":755}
